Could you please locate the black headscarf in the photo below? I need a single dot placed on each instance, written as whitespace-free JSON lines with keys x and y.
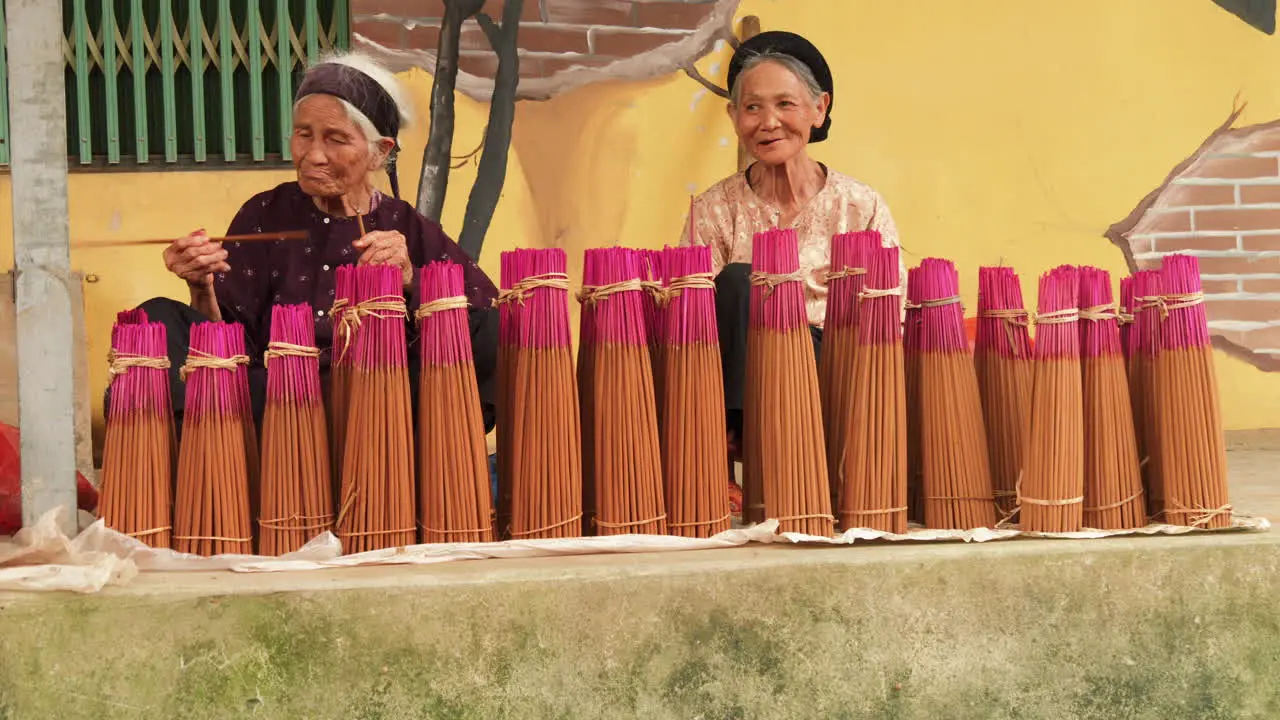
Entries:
{"x":366,"y":95}
{"x":786,"y":43}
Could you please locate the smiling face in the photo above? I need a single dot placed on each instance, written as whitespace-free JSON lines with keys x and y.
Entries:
{"x":331,"y":154}
{"x":774,"y":112}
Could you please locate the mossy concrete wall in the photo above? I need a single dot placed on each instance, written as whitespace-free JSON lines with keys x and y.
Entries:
{"x":1128,"y":628}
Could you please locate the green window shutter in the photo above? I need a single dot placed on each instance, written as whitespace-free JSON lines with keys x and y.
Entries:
{"x":171,"y":79}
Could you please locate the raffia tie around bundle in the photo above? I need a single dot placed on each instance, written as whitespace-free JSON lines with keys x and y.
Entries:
{"x":299,"y":523}
{"x":546,"y":528}
{"x":386,"y":307}
{"x":523,"y":289}
{"x":1099,"y":313}
{"x":769,"y":281}
{"x":1011,"y":319}
{"x":197,"y":360}
{"x":940,"y":302}
{"x":845,"y":273}
{"x":592,"y":294}
{"x":1124,"y":318}
{"x":1024,"y":500}
{"x":1202,"y":515}
{"x":633,"y":523}
{"x":873,"y":293}
{"x":283,"y":349}
{"x":1165,"y":303}
{"x":1057,"y":317}
{"x":119,"y":363}
{"x":655,"y":290}
{"x":427,"y":309}
{"x":692,"y":281}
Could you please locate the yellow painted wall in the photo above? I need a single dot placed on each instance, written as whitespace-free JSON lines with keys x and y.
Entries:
{"x":998,"y":131}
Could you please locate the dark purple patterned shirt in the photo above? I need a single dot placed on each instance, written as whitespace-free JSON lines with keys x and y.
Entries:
{"x":287,"y":272}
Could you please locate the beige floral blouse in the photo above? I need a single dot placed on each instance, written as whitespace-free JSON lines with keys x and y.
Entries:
{"x":730,"y":213}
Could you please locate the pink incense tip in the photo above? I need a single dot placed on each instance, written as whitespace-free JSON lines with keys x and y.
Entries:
{"x":445,"y":336}
{"x":776,"y":251}
{"x":136,"y":316}
{"x":1126,"y":293}
{"x":690,"y":315}
{"x":617,"y":317}
{"x":879,"y":313}
{"x":1187,"y":324}
{"x":344,"y":282}
{"x":218,"y":391}
{"x":292,"y":377}
{"x":941,"y":314}
{"x":1002,"y":316}
{"x":1058,"y":323}
{"x":379,"y":336}
{"x":850,"y":256}
{"x":139,"y":388}
{"x":1099,"y":327}
{"x":777,"y":291}
{"x":1095,"y":288}
{"x":541,"y":320}
{"x":913,"y":287}
{"x":1143,"y":338}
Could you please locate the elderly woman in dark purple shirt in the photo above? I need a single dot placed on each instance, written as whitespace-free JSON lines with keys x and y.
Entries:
{"x":347,"y":114}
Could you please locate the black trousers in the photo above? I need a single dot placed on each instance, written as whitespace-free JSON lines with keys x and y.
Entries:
{"x":733,"y":310}
{"x":178,"y":317}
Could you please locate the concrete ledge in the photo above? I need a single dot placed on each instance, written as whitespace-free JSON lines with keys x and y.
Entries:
{"x":1182,"y":627}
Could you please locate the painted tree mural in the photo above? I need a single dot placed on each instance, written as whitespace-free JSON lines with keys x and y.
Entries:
{"x":535,"y":50}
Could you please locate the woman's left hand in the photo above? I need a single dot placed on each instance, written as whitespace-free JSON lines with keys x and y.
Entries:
{"x":386,"y":247}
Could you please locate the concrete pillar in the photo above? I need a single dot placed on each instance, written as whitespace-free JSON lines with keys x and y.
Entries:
{"x":42,"y":258}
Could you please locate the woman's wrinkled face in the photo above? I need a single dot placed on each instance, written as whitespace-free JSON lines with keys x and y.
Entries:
{"x":775,"y":113}
{"x":330,"y":152}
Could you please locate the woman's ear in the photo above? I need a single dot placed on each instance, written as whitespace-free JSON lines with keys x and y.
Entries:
{"x":824,"y":104}
{"x":382,"y":150}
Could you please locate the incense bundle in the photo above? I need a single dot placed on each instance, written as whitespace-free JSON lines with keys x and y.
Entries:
{"x":953,"y":444}
{"x":784,"y":462}
{"x":626,"y":463}
{"x":1002,"y":357}
{"x":652,"y":279}
{"x":874,"y":464}
{"x":840,"y":338}
{"x":138,"y":456}
{"x":694,"y":443}
{"x":1144,"y":343}
{"x":1051,"y":496}
{"x":1193,"y":459}
{"x":212,"y":513}
{"x":1112,"y":482}
{"x":340,"y":358}
{"x":1124,"y":318}
{"x":377,"y":506}
{"x":911,"y":335}
{"x":455,"y":501}
{"x":297,"y":496}
{"x":544,"y":468}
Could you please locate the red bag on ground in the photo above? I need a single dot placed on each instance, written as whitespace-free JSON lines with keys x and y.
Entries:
{"x":11,"y":484}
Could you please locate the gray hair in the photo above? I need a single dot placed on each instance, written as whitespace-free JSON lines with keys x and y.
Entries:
{"x":384,"y":77}
{"x":797,"y":68}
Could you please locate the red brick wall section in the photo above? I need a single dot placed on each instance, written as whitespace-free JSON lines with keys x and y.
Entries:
{"x":1225,"y":209}
{"x":555,"y":35}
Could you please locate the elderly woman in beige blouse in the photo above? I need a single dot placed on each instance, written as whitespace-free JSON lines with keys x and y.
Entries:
{"x":780,"y":98}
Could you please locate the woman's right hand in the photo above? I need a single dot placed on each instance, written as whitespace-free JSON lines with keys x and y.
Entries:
{"x":195,"y":259}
